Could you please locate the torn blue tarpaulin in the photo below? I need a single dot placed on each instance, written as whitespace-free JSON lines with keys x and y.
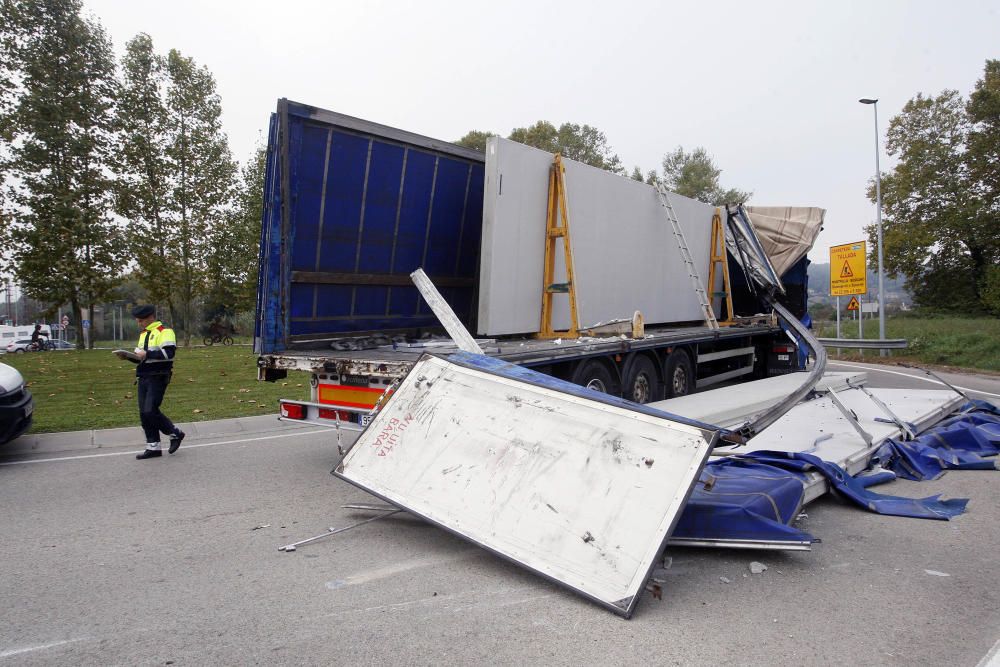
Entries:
{"x":737,"y":499}
{"x":855,"y":489}
{"x":959,"y":443}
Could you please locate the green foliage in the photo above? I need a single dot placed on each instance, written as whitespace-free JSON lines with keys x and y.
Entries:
{"x":66,"y":247}
{"x":203,"y":176}
{"x":695,"y":175}
{"x":177,"y":182}
{"x":934,"y":338}
{"x":144,"y":171}
{"x":984,"y":137}
{"x":940,"y":203}
{"x":8,"y":68}
{"x":232,"y":263}
{"x":476,"y":139}
{"x":990,"y":289}
{"x":583,"y":143}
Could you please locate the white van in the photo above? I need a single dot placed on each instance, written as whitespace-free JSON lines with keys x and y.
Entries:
{"x":10,"y":334}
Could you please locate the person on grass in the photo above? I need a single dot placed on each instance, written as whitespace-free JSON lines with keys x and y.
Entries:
{"x":155,"y":360}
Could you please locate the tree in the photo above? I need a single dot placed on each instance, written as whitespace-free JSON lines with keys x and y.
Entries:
{"x":939,"y":202}
{"x":476,"y":139}
{"x":203,"y":177}
{"x":583,"y":143}
{"x":695,"y":175}
{"x":232,"y":263}
{"x":143,"y":192}
{"x":66,"y":248}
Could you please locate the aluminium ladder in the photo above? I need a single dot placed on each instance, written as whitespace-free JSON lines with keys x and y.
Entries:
{"x":699,"y":289}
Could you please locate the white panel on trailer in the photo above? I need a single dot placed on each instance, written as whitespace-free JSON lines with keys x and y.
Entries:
{"x":624,"y":255}
{"x":582,"y":492}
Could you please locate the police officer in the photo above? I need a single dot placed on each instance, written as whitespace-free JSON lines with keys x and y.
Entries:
{"x":155,"y":359}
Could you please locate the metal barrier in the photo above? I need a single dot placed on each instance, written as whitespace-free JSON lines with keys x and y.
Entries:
{"x":866,"y":344}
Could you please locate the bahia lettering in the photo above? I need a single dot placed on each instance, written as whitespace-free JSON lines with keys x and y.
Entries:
{"x":389,"y":436}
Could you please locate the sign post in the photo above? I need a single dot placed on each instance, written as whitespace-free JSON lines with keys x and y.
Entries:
{"x":838,"y":317}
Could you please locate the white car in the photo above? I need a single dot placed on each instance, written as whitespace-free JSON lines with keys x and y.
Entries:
{"x":20,"y":345}
{"x":16,"y":404}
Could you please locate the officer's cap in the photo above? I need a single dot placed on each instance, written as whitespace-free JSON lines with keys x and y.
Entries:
{"x":142,"y":311}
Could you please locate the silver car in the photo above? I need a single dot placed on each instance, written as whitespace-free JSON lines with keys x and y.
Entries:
{"x":16,"y":404}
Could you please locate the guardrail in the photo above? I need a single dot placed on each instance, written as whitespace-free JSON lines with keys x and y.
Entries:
{"x":867,"y":344}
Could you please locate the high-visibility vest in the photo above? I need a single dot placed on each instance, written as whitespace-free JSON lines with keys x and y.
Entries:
{"x":160,"y":344}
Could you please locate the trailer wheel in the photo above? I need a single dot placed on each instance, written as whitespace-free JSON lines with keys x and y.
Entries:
{"x":642,"y":382}
{"x":596,"y":375}
{"x":678,"y":374}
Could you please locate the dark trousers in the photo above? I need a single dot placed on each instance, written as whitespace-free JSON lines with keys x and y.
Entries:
{"x":151,"y":391}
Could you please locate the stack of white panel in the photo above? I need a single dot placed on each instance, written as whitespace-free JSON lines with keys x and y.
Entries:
{"x":625,"y":257}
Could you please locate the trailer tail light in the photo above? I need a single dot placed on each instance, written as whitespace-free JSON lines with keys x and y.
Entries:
{"x":342,"y":415}
{"x":783,"y":349}
{"x":293,"y":411}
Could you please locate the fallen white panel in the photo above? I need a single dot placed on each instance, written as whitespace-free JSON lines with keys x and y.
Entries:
{"x":580,"y":491}
{"x":734,"y":405}
{"x":819,"y":428}
{"x":624,"y":255}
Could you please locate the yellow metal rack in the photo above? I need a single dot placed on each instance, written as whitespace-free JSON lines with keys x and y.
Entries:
{"x":557,"y":227}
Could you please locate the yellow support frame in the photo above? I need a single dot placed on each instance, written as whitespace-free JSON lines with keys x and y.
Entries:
{"x":718,"y":256}
{"x":557,"y":227}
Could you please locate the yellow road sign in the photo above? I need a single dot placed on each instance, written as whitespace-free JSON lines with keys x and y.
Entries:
{"x":854,"y":305}
{"x":848,"y":274}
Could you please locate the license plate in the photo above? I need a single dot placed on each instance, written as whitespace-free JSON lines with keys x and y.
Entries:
{"x":356,"y":380}
{"x":28,"y":410}
{"x":364,"y":420}
{"x":782,"y":357}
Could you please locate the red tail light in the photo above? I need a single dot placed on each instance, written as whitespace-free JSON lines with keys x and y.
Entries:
{"x":293,"y":411}
{"x":342,"y":415}
{"x":783,"y":349}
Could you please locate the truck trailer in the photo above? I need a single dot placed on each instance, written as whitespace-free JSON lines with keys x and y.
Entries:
{"x":352,"y":207}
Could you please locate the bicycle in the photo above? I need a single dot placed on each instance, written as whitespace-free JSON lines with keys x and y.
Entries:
{"x":225,"y":339}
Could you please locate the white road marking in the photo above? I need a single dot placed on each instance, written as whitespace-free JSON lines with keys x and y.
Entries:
{"x":40,"y":647}
{"x":134,"y":450}
{"x":909,"y":375}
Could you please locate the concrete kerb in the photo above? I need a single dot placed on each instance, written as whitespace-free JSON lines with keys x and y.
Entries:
{"x":131,"y":436}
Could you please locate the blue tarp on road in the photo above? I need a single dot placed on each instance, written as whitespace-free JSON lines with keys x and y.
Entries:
{"x":756,"y":496}
{"x":741,"y":499}
{"x":960,"y":442}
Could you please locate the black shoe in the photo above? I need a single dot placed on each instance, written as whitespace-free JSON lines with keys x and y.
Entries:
{"x":149,"y":454}
{"x":175,"y":440}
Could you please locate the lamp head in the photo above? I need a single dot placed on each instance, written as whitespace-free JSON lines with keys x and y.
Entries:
{"x":865,"y":100}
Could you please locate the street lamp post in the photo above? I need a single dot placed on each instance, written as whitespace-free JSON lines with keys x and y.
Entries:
{"x":878,"y":210}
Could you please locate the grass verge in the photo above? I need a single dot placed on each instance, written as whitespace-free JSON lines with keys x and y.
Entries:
{"x":959,"y":342}
{"x":89,"y":389}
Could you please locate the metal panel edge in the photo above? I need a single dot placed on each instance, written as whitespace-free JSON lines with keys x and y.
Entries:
{"x":377,"y":129}
{"x":630,"y":609}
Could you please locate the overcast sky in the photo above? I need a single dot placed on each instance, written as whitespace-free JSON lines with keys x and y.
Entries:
{"x":770,"y":89}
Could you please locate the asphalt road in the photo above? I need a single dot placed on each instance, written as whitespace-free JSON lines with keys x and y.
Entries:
{"x":109,"y":560}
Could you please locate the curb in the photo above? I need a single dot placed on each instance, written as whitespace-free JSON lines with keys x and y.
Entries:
{"x":132,"y":436}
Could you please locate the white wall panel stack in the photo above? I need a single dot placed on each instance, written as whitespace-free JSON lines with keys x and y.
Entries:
{"x":624,"y":254}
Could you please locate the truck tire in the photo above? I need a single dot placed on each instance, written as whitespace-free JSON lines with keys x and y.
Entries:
{"x":641,"y":382}
{"x":594,"y":374}
{"x":678,"y":374}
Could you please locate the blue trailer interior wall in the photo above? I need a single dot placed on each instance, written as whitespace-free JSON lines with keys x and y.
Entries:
{"x":351,"y":212}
